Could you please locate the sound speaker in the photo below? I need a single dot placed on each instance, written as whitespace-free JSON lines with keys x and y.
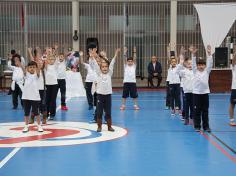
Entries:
{"x":92,"y":43}
{"x":221,"y":57}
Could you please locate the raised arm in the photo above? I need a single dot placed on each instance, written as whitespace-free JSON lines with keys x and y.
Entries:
{"x":134,"y":55}
{"x":209,"y":63}
{"x":31,"y":57}
{"x":111,"y":66}
{"x":193,"y":51}
{"x":125,"y":55}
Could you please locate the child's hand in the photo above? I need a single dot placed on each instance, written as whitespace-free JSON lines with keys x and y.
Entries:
{"x":193,"y":49}
{"x":209,"y":50}
{"x":134,"y":49}
{"x":103,"y":53}
{"x":182,"y":51}
{"x":81,"y":53}
{"x":117,"y":51}
{"x":125,"y":50}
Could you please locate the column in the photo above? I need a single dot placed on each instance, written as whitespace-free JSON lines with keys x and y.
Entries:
{"x":75,"y":23}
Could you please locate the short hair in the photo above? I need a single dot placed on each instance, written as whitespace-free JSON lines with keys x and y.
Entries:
{"x":92,"y":45}
{"x":186,"y":59}
{"x":13,"y":52}
{"x":201,"y":61}
{"x":105,"y":61}
{"x":32,"y":63}
{"x":130,"y":59}
{"x":17,"y":56}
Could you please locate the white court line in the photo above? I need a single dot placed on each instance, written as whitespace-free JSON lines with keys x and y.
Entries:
{"x":8,"y":157}
{"x":15,"y":150}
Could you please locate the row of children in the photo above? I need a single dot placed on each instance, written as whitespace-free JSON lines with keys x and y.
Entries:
{"x":37,"y":84}
{"x":191,"y":78}
{"x":45,"y":73}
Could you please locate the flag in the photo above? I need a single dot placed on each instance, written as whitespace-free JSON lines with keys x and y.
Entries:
{"x":22,"y":16}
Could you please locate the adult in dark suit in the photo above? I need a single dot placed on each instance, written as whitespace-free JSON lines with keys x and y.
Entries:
{"x":154,"y":71}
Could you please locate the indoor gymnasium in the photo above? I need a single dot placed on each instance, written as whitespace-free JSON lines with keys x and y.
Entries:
{"x":117,"y":87}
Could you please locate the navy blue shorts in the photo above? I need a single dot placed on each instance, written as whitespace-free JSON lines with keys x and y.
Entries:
{"x":130,"y":90}
{"x":233,"y":96}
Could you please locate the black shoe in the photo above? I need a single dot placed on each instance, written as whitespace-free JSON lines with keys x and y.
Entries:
{"x":207,"y":130}
{"x":197,"y":129}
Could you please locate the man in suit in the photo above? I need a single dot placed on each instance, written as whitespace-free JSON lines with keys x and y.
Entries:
{"x":154,"y":71}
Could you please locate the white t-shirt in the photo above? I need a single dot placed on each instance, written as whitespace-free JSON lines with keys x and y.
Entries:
{"x":129,"y":73}
{"x":201,"y":79}
{"x":173,"y":74}
{"x":30,"y":90}
{"x":104,"y":84}
{"x":61,"y":70}
{"x":187,"y":80}
{"x":233,"y":86}
{"x":91,"y":74}
{"x":51,"y":74}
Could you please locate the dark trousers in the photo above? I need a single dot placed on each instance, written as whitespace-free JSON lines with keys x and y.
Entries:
{"x":88,"y":88}
{"x":51,"y":97}
{"x":201,"y":106}
{"x":182,"y":95}
{"x":104,"y":104}
{"x":150,"y":79}
{"x":62,"y":87}
{"x":42,"y":103}
{"x":188,"y":107}
{"x":28,"y":104}
{"x":95,"y":100}
{"x":175,"y":96}
{"x":168,"y":104}
{"x":15,"y":94}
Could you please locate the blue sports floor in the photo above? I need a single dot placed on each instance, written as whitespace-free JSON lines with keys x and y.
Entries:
{"x":156,"y":144}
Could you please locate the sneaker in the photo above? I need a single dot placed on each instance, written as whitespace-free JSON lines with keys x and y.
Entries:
{"x":173,"y":112}
{"x":136,"y":107}
{"x":232,"y":123}
{"x":207,"y":130}
{"x":50,"y":117}
{"x":180,"y":113}
{"x":40,"y":129}
{"x":26,"y":129}
{"x":167,"y":108}
{"x":93,"y":121}
{"x":186,"y":122}
{"x":122,"y":107}
{"x":64,"y":108}
{"x":197,"y":129}
{"x":182,"y":118}
{"x":191,"y":122}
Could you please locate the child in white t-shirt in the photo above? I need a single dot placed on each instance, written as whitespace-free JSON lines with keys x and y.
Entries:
{"x":201,"y":71}
{"x":61,"y":79}
{"x":129,"y":88}
{"x":31,"y":96}
{"x":104,"y":90}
